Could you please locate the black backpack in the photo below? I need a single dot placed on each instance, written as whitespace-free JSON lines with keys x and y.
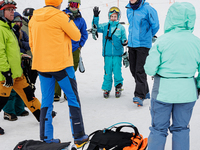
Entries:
{"x":38,"y":145}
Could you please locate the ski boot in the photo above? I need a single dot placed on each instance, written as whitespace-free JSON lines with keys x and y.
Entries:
{"x":52,"y":141}
{"x":118,"y":90}
{"x":138,"y":101}
{"x":106,"y":93}
{"x":80,"y":142}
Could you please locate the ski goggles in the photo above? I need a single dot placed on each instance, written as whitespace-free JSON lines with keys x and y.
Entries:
{"x":114,"y":10}
{"x":8,"y":2}
{"x":74,"y":4}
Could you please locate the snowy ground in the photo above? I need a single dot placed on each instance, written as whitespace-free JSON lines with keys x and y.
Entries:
{"x":98,"y":112}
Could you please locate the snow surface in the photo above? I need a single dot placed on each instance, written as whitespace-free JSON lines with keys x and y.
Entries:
{"x":98,"y":113}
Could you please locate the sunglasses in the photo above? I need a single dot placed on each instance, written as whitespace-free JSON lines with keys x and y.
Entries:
{"x":8,"y":2}
{"x":74,"y":4}
{"x":10,"y":9}
{"x":114,"y":9}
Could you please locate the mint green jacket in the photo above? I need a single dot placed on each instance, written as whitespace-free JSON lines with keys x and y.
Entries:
{"x":175,"y":57}
{"x":10,"y":56}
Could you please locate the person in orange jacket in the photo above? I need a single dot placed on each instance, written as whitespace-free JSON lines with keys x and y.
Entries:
{"x":50,"y":35}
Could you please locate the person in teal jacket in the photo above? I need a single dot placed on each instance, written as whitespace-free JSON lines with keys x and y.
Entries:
{"x":173,"y":61}
{"x":114,"y":38}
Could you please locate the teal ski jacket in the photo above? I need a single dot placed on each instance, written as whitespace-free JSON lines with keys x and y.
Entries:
{"x":175,"y":57}
{"x":10,"y":56}
{"x":112,"y":47}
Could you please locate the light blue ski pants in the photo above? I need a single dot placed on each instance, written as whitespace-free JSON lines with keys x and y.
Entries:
{"x":160,"y":114}
{"x":113,"y":65}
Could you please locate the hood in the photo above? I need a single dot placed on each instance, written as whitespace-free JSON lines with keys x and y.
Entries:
{"x":17,"y":14}
{"x":142,"y":3}
{"x":45,"y":13}
{"x":180,"y":15}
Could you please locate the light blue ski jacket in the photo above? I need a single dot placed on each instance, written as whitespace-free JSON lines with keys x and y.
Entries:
{"x":143,"y":25}
{"x":112,"y":47}
{"x":175,"y":57}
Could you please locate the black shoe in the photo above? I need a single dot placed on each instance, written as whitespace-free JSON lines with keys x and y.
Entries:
{"x":1,"y":131}
{"x":118,"y":90}
{"x":53,"y":114}
{"x":25,"y":113}
{"x":56,"y":98}
{"x":10,"y":117}
{"x":106,"y":93}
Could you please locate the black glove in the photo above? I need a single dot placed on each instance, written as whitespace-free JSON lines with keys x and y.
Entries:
{"x":71,"y":16}
{"x":8,"y":78}
{"x":125,"y":43}
{"x":94,"y":32}
{"x":96,"y":11}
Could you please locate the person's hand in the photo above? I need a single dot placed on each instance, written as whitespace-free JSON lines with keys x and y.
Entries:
{"x":154,"y":38}
{"x":71,"y":16}
{"x":8,"y":78}
{"x":94,"y":32}
{"x":125,"y":43}
{"x":96,"y":11}
{"x":125,"y":59}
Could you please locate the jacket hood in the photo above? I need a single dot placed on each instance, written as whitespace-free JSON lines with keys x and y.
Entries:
{"x":45,"y":13}
{"x":142,"y":3}
{"x":180,"y":15}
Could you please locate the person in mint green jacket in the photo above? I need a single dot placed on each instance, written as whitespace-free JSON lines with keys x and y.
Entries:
{"x":173,"y":61}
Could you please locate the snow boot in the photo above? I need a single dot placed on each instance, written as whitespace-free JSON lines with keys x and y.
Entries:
{"x":24,"y":113}
{"x":147,"y":96}
{"x":1,"y":131}
{"x":79,"y":142}
{"x":106,"y":93}
{"x":53,"y":141}
{"x":56,"y":98}
{"x":10,"y":117}
{"x":53,"y":114}
{"x":138,"y":101}
{"x":118,"y":90}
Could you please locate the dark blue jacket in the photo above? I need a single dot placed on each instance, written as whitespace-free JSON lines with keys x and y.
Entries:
{"x":24,"y":42}
{"x":82,"y":26}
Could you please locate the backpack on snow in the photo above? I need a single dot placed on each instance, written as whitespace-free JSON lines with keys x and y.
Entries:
{"x":109,"y":139}
{"x":39,"y":145}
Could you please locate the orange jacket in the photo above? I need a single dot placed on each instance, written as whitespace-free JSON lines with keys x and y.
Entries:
{"x":50,"y":34}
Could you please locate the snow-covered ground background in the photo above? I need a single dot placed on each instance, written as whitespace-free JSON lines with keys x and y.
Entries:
{"x":98,"y":113}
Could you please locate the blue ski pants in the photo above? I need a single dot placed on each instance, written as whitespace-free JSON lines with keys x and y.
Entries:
{"x":67,"y":81}
{"x":160,"y":114}
{"x":113,"y":65}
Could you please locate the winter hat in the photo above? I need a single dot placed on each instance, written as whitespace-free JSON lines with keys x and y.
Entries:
{"x":53,"y":2}
{"x":76,"y":1}
{"x":8,"y":5}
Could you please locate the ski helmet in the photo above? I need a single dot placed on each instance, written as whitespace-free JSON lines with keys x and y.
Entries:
{"x":76,"y":1}
{"x":28,"y":12}
{"x":113,"y":10}
{"x":7,"y":4}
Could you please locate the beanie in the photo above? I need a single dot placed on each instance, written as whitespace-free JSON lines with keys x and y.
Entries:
{"x":76,"y":1}
{"x":53,"y":2}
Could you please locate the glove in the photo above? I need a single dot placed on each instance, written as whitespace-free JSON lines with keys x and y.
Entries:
{"x":94,"y":32}
{"x":71,"y":16}
{"x":154,"y":38}
{"x":8,"y":78}
{"x":125,"y":59}
{"x":125,"y":43}
{"x":96,"y":11}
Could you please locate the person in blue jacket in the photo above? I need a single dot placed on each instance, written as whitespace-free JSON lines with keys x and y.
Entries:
{"x":174,"y":60}
{"x":114,"y":38}
{"x":74,"y":12}
{"x":143,"y":25}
